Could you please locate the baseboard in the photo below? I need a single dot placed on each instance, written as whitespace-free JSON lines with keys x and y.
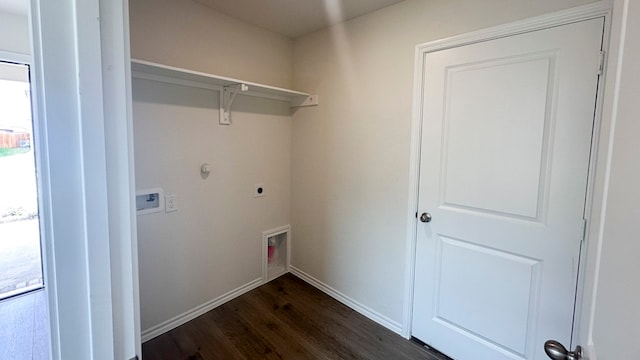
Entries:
{"x":590,"y":352}
{"x":210,"y":305}
{"x":362,"y":309}
{"x":197,"y":311}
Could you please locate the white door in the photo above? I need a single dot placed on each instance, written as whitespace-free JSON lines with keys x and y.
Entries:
{"x":506,"y":135}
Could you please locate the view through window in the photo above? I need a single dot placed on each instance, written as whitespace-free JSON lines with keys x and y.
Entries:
{"x":20,"y":256}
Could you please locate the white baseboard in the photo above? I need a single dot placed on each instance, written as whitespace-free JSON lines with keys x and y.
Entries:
{"x":589,"y":352}
{"x":362,"y":309}
{"x":210,"y":305}
{"x":197,"y":311}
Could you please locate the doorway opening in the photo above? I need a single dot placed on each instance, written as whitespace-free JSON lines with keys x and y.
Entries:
{"x":23,"y":301}
{"x":20,"y":252}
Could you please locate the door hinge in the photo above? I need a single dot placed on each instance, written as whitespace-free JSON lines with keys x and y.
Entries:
{"x":584,"y":230}
{"x":601,"y":63}
{"x":135,"y":358}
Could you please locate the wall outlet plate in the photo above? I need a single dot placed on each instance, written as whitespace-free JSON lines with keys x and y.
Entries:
{"x":258,"y":190}
{"x":171,"y":203}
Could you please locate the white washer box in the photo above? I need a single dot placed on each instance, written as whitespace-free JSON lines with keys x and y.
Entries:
{"x":149,"y":201}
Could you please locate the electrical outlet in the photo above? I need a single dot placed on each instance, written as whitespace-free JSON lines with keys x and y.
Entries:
{"x":258,"y":190}
{"x":171,"y":203}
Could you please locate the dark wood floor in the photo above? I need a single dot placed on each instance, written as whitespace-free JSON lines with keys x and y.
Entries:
{"x":284,"y":319}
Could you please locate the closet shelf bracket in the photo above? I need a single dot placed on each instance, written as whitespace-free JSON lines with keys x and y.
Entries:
{"x":227,"y":95}
{"x":304,"y":101}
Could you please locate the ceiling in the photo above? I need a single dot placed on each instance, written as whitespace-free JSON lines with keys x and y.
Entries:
{"x":291,"y":18}
{"x":294,"y":18}
{"x":20,"y":7}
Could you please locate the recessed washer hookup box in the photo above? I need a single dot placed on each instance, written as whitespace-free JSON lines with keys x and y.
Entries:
{"x":149,"y":201}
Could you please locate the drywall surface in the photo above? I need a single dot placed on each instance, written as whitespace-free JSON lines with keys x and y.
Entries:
{"x":14,"y":33}
{"x":190,"y":35}
{"x":616,"y":324}
{"x":350,"y":155}
{"x":211,"y":245}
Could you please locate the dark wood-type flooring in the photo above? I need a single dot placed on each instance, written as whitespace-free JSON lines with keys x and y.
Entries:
{"x":283,"y":319}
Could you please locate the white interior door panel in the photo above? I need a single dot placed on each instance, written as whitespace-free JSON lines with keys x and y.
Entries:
{"x":505,"y":150}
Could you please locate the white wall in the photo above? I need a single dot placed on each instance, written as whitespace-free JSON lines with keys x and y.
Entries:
{"x":190,"y":35}
{"x":350,"y":155}
{"x":616,"y":324}
{"x":211,"y":245}
{"x":14,"y":33}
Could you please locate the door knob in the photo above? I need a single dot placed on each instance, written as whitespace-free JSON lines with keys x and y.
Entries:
{"x":425,"y":217}
{"x":557,"y":351}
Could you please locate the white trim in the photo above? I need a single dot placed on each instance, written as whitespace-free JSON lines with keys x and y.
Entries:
{"x":595,"y":246}
{"x":71,"y":177}
{"x":285,"y":229}
{"x":355,"y":305}
{"x":69,"y":98}
{"x":22,"y":291}
{"x":189,"y":315}
{"x":11,"y":56}
{"x":414,"y":189}
{"x":116,"y":75}
{"x":44,"y":180}
{"x":592,"y":203}
{"x":581,"y":13}
{"x":289,"y":249}
{"x":589,"y":352}
{"x":94,"y":189}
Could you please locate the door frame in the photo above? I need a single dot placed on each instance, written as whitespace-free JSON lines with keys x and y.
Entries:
{"x":11,"y":57}
{"x":14,"y":57}
{"x":81,"y":92}
{"x":594,"y":203}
